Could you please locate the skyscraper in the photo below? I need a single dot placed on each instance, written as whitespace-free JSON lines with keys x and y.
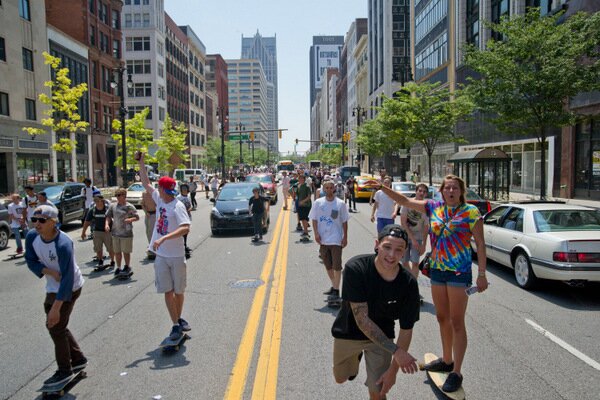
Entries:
{"x":324,"y":53}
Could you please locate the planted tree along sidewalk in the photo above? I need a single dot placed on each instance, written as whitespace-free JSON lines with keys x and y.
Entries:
{"x":526,"y":79}
{"x":172,"y":150}
{"x":137,"y":137}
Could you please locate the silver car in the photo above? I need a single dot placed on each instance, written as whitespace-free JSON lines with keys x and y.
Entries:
{"x":544,"y":240}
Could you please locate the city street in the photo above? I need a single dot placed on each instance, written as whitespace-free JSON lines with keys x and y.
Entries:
{"x":273,"y":340}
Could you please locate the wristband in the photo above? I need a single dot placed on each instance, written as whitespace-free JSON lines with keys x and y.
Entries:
{"x":481,"y":274}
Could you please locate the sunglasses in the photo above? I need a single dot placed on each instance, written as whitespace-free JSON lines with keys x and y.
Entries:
{"x":40,"y":220}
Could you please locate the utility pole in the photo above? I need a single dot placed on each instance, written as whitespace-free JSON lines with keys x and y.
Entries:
{"x":119,"y":84}
{"x":223,"y":115}
{"x":359,"y":112}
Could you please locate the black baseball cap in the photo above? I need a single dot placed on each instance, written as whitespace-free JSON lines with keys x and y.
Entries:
{"x":393,"y":230}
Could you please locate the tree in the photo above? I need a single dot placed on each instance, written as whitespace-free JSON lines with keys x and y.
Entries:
{"x":328,"y":156}
{"x":63,"y":112}
{"x":172,"y":151}
{"x":526,"y":79}
{"x":424,"y":113}
{"x":137,"y":137}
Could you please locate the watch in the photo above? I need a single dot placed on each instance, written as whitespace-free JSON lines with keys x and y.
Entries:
{"x":481,"y":274}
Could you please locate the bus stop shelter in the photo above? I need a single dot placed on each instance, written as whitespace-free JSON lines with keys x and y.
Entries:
{"x":486,"y":171}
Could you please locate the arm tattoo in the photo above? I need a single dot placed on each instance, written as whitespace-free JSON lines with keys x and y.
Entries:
{"x":370,"y":329}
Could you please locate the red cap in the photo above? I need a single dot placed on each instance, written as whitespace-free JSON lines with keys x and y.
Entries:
{"x":168,"y":184}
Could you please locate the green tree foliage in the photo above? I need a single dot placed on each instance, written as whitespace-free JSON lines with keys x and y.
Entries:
{"x":424,"y":113}
{"x":63,"y":113}
{"x":172,"y":151}
{"x":137,"y":137}
{"x":525,"y":80}
{"x":331,"y":156}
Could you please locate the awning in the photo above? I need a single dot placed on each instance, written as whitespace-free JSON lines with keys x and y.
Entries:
{"x":488,"y":154}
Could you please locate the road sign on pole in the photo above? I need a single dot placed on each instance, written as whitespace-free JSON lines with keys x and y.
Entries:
{"x":330,"y":145}
{"x":238,"y":137}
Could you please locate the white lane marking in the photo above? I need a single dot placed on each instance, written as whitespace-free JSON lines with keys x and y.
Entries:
{"x":592,"y":363}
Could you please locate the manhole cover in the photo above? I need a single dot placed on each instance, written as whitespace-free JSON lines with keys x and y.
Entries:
{"x":246,"y":283}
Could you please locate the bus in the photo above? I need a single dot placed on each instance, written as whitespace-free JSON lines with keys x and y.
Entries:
{"x":314,"y":164}
{"x":285,"y":165}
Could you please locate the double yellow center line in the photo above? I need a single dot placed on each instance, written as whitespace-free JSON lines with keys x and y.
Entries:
{"x":265,"y":379}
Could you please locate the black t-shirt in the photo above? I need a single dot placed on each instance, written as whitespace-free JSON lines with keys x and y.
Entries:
{"x":387,"y":301}
{"x":98,"y":216}
{"x":258,"y":205}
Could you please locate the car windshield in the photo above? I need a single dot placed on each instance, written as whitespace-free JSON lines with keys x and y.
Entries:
{"x":136,"y":188}
{"x":404,"y":187}
{"x":362,"y":181}
{"x":235,"y":193}
{"x":52,"y":192}
{"x":566,"y":220}
{"x":258,"y":178}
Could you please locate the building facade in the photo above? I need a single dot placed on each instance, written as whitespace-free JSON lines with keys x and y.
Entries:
{"x":176,"y":53}
{"x":217,"y":82}
{"x":324,"y":53}
{"x":359,"y":111}
{"x":357,"y":30}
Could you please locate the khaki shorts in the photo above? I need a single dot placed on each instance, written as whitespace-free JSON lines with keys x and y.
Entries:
{"x":346,"y":363}
{"x":122,"y":244}
{"x":331,"y":256}
{"x":102,"y":238}
{"x":170,"y":274}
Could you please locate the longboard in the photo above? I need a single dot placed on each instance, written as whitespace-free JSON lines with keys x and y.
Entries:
{"x":15,"y":256}
{"x":57,"y":391}
{"x":122,"y":277}
{"x":438,"y":378}
{"x":337,"y":303}
{"x":305,"y":239}
{"x":101,"y":268}
{"x":173,"y":345}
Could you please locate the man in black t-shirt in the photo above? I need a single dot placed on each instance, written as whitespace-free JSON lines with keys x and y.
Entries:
{"x":96,"y":217}
{"x":256,"y":205}
{"x":376,"y":291}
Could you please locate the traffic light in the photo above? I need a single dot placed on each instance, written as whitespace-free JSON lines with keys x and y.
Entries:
{"x":252,"y":135}
{"x":296,"y":141}
{"x":280,"y":134}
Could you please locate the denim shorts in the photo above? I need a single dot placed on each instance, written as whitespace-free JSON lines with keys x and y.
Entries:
{"x":451,"y":278}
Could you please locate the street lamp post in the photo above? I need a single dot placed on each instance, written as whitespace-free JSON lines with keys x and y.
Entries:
{"x":223,"y":115}
{"x":359,"y":112}
{"x":122,"y":113}
{"x":240,"y":127}
{"x":343,"y":140}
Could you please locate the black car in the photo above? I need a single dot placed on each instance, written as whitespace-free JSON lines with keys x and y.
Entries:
{"x":66,"y":197}
{"x":230,"y":211}
{"x":5,"y":231}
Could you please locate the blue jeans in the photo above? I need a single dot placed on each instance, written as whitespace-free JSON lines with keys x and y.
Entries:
{"x":17,"y":234}
{"x":257,"y":223}
{"x":451,"y":278}
{"x":382,"y":222}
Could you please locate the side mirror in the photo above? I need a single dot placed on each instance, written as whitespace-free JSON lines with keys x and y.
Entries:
{"x":212,"y":200}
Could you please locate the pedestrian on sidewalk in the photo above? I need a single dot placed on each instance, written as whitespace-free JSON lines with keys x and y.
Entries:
{"x":193,"y":187}
{"x":206,"y":183}
{"x":214,"y":185}
{"x":16,"y":220}
{"x":383,"y":207}
{"x":88,"y":194}
{"x":285,"y":188}
{"x":149,"y":208}
{"x":329,"y":216}
{"x":96,"y":217}
{"x":256,"y":207}
{"x":376,"y":291}
{"x":119,"y":222}
{"x":453,"y":222}
{"x":303,"y":193}
{"x":350,"y":193}
{"x":50,"y":253}
{"x":185,"y":199}
{"x":171,"y":225}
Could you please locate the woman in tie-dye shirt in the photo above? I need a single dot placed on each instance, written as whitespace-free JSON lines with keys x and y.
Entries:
{"x":452,"y":224}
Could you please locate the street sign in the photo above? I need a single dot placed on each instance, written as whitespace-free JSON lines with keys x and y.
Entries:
{"x":238,"y":137}
{"x":330,"y":145}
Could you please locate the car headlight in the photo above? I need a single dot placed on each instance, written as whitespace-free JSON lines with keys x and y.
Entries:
{"x":216,"y":212}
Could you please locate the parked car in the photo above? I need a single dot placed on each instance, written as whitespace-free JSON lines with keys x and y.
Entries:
{"x":546,"y":240}
{"x":230,"y":211}
{"x":5,"y":231}
{"x":406,"y":188}
{"x":365,"y":185}
{"x":267,"y":182}
{"x":66,"y":197}
{"x":471,"y":197}
{"x":134,"y":194}
{"x":347,"y":171}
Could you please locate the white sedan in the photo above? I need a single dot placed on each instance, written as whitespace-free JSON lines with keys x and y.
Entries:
{"x":545,"y":240}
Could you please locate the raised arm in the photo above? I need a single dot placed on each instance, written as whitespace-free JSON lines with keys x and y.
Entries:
{"x":418,"y":205}
{"x":144,"y":174}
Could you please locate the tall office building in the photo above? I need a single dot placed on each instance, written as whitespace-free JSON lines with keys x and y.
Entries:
{"x":217,"y":102}
{"x":176,"y":46}
{"x":264,"y":49}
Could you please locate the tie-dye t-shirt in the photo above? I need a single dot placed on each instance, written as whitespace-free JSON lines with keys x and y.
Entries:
{"x":453,"y":246}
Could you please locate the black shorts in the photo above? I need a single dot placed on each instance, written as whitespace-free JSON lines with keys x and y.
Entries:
{"x":303,"y":213}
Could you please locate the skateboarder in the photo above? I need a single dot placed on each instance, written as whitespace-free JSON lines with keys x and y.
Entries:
{"x":17,"y":222}
{"x":49,"y":252}
{"x":303,"y":193}
{"x":376,"y":292}
{"x":256,"y":206}
{"x":383,"y":207}
{"x":329,"y":216}
{"x":88,"y":193}
{"x":31,"y":202}
{"x":119,"y":222}
{"x":193,"y":186}
{"x":96,"y":216}
{"x":172,"y":223}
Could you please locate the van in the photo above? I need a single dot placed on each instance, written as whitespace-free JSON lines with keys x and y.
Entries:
{"x":347,"y":171}
{"x":183,"y":175}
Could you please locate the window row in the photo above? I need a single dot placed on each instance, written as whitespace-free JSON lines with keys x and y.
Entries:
{"x":132,"y":110}
{"x":30,"y":112}
{"x":137,"y":43}
{"x":433,"y":56}
{"x":137,"y":20}
{"x":105,"y":14}
{"x":137,"y":2}
{"x":139,"y":67}
{"x":429,"y":17}
{"x":196,"y":119}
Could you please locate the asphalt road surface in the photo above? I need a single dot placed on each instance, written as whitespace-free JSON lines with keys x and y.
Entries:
{"x":261,"y":327}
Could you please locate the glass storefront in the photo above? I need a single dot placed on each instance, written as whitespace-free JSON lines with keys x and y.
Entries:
{"x":32,"y":169}
{"x":587,"y":155}
{"x":63,"y":170}
{"x":525,"y":166}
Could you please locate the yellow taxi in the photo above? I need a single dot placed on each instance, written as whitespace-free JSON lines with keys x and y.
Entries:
{"x":365,"y":185}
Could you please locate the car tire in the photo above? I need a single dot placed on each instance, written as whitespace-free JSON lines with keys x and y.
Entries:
{"x":4,"y":236}
{"x":214,"y":232}
{"x":274,"y":201}
{"x":524,"y":274}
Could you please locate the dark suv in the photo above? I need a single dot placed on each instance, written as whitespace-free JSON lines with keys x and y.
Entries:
{"x":66,"y":197}
{"x":5,"y":231}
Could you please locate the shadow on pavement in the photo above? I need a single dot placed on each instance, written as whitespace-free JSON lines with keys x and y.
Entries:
{"x":428,"y":308}
{"x":439,"y":395}
{"x":118,"y":282}
{"x":328,"y":310}
{"x":164,"y":359}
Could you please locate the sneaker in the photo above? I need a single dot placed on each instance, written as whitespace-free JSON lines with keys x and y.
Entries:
{"x":117,"y":271}
{"x":184,"y":325}
{"x":112,"y":264}
{"x":81,"y":364}
{"x":330,"y":291}
{"x":260,"y":237}
{"x":299,"y":228}
{"x":176,"y":332}
{"x":126,"y":270}
{"x":59,"y":377}
{"x":351,"y":378}
{"x":439,"y":366}
{"x":20,"y":250}
{"x":453,"y":382}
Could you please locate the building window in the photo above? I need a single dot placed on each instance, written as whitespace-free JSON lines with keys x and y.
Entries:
{"x":587,"y":148}
{"x":146,"y":20}
{"x":142,"y":89}
{"x":103,"y":13}
{"x":115,"y":20}
{"x":161,"y":70}
{"x":161,"y":92}
{"x":137,"y":43}
{"x":93,"y":35}
{"x":106,"y":80}
{"x":160,"y":47}
{"x":106,"y":120}
{"x":116,"y":49}
{"x":132,"y":110}
{"x":138,"y":66}
{"x":30,"y":109}
{"x":95,"y":116}
{"x":127,"y":20}
{"x":92,"y":6}
{"x":95,"y":74}
{"x":161,"y":113}
{"x":104,"y":43}
{"x":27,"y":59}
{"x":500,"y":8}
{"x":473,"y":22}
{"x":137,"y":20}
{"x":24,"y":10}
{"x":4,"y":109}
{"x":2,"y":49}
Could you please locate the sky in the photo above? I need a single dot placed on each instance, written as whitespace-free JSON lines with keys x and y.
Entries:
{"x":220,"y":25}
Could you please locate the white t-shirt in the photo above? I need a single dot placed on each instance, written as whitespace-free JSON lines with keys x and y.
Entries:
{"x":32,"y":202}
{"x":16,"y":211}
{"x":385,"y":205}
{"x":330,"y":217}
{"x":417,"y":222}
{"x":285,"y":181}
{"x":88,"y":192}
{"x":169,"y":217}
